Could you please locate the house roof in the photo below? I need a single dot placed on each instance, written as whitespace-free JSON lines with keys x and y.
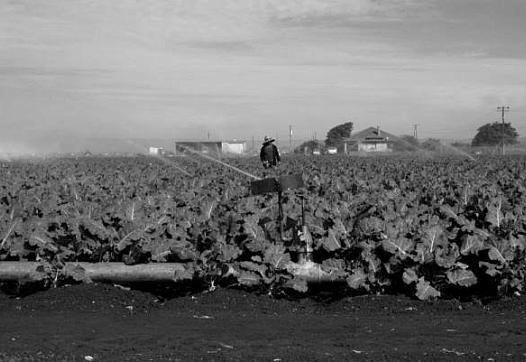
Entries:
{"x":373,"y":134}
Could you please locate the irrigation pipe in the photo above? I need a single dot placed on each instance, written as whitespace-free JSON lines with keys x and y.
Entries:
{"x":22,"y":271}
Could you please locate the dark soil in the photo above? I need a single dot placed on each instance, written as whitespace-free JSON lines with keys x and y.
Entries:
{"x":107,"y":323}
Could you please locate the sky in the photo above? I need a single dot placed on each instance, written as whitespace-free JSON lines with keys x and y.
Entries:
{"x":241,"y":69}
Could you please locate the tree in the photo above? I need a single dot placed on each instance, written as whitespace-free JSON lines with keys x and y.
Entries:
{"x":462,"y":145}
{"x":493,"y":134}
{"x":338,"y":134}
{"x":432,"y":144}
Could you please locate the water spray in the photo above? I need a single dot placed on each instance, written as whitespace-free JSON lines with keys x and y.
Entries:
{"x":164,"y":160}
{"x":220,"y":162}
{"x":459,"y":151}
{"x":450,"y":147}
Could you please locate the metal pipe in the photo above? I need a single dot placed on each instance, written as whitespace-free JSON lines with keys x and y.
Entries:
{"x":12,"y":271}
{"x":312,"y":272}
{"x":20,"y":271}
{"x":99,"y":272}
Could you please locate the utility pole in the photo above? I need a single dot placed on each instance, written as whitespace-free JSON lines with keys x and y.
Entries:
{"x":415,"y":131}
{"x":502,"y":109}
{"x":290,"y":138}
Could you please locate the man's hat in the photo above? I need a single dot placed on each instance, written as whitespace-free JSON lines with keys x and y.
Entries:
{"x":268,"y":139}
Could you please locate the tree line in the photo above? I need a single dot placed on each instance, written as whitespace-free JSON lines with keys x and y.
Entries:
{"x":488,"y":135}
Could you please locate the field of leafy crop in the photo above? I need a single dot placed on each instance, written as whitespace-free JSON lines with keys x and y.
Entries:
{"x":425,"y":227}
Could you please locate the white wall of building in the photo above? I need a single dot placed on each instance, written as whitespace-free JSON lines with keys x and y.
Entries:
{"x":372,"y":147}
{"x":155,"y":151}
{"x":237,"y":148}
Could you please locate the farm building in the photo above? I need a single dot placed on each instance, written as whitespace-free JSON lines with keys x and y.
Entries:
{"x":156,"y":151}
{"x":371,"y":139}
{"x":234,"y":147}
{"x":214,"y":148}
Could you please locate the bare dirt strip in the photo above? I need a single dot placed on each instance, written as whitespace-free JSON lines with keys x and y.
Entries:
{"x":107,"y":323}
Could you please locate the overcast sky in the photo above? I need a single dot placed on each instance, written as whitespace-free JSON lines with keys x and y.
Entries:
{"x":244,"y":68}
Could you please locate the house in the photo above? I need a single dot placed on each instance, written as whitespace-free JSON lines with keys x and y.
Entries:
{"x":371,"y":139}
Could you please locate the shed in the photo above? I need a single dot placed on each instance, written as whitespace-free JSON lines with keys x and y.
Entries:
{"x":234,"y":147}
{"x":155,"y":151}
{"x":213,"y":148}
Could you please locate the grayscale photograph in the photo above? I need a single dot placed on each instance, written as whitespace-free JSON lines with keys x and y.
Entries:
{"x":262,"y":180}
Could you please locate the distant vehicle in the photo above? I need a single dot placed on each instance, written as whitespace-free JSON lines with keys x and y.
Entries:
{"x":316,"y":152}
{"x":332,"y":150}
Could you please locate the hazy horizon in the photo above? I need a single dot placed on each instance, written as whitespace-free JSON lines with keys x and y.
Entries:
{"x":71,"y":71}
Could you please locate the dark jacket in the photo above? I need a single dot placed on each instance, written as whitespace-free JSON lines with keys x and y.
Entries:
{"x":269,"y":155}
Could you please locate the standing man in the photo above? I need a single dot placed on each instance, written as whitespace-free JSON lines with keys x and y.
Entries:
{"x":269,"y":154}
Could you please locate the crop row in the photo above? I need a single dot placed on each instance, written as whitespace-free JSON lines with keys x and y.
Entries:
{"x":428,"y":227}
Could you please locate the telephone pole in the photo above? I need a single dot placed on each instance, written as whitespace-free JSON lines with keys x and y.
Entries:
{"x":503,"y":109}
{"x":415,"y":131}
{"x":290,"y":138}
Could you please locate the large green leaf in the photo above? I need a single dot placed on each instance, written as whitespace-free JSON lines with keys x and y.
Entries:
{"x":400,"y":247}
{"x":494,"y":215}
{"x":471,"y":244}
{"x":432,"y":239}
{"x":425,"y":291}
{"x":159,"y":249}
{"x":298,"y":284}
{"x":276,"y":256}
{"x":331,"y":242}
{"x":448,"y":212}
{"x":77,"y":273}
{"x":409,"y":276}
{"x":184,"y":272}
{"x":228,"y":252}
{"x":254,"y":267}
{"x":43,"y":242}
{"x":503,"y":250}
{"x":357,"y":279}
{"x":461,"y":277}
{"x":490,"y":268}
{"x":446,"y":257}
